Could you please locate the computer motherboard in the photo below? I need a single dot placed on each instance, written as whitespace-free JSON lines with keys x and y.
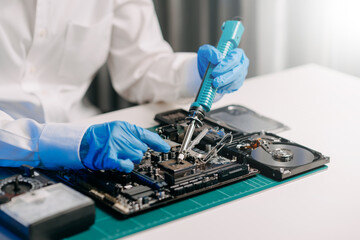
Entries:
{"x":219,"y":155}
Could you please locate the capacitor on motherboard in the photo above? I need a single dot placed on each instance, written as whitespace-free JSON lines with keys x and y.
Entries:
{"x":160,"y":194}
{"x":140,"y":201}
{"x":172,"y":155}
{"x":208,"y":147}
{"x":156,"y":171}
{"x":166,"y":156}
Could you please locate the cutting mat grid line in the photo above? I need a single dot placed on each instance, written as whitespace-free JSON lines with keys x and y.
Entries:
{"x":107,"y":227}
{"x":114,"y":228}
{"x":100,"y":231}
{"x":170,"y":214}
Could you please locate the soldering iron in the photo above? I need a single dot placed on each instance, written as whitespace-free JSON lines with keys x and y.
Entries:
{"x":232,"y":31}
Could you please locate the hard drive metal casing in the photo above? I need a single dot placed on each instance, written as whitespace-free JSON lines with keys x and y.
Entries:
{"x":280,"y":172}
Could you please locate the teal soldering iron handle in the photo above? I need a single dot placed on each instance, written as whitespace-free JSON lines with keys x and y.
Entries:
{"x":229,"y":40}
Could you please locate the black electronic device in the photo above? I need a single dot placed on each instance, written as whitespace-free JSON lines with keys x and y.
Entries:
{"x":218,"y":155}
{"x":245,"y":120}
{"x":276,"y":157}
{"x":160,"y":179}
{"x":35,"y":207}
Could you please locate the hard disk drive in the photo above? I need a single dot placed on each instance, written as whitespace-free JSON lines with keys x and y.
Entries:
{"x":277,"y":157}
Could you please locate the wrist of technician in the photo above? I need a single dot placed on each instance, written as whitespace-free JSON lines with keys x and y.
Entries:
{"x":59,"y":145}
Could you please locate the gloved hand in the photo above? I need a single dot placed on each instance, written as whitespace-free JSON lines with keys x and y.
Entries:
{"x":229,"y":73}
{"x":117,"y":145}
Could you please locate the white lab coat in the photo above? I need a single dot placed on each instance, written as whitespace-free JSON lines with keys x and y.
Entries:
{"x":49,"y":52}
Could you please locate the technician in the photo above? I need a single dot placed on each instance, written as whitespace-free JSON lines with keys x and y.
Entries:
{"x":49,"y":53}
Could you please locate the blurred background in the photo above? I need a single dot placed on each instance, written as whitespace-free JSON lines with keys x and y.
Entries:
{"x":279,"y":34}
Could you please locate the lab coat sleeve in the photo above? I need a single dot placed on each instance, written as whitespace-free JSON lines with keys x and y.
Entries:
{"x":142,"y":64}
{"x":49,"y":146}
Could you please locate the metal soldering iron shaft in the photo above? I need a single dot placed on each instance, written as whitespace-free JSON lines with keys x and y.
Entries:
{"x":230,"y":39}
{"x":188,"y":135}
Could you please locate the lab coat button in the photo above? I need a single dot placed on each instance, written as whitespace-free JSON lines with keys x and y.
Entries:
{"x":32,"y":70}
{"x":43,"y":33}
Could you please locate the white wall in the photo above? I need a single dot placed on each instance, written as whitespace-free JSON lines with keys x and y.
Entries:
{"x":286,"y":33}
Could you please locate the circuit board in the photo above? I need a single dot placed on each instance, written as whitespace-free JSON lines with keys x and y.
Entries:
{"x":159,"y":179}
{"x":217,"y":156}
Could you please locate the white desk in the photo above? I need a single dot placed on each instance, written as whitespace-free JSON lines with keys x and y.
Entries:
{"x":322,"y":108}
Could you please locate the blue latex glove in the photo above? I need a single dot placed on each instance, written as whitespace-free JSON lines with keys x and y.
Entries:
{"x":117,"y":145}
{"x":229,"y":73}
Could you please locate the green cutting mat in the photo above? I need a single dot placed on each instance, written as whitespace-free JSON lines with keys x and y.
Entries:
{"x":108,"y":227}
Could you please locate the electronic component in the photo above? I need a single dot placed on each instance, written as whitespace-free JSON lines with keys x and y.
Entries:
{"x":274,"y":156}
{"x":160,"y":179}
{"x":34,"y":207}
{"x":217,"y":156}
